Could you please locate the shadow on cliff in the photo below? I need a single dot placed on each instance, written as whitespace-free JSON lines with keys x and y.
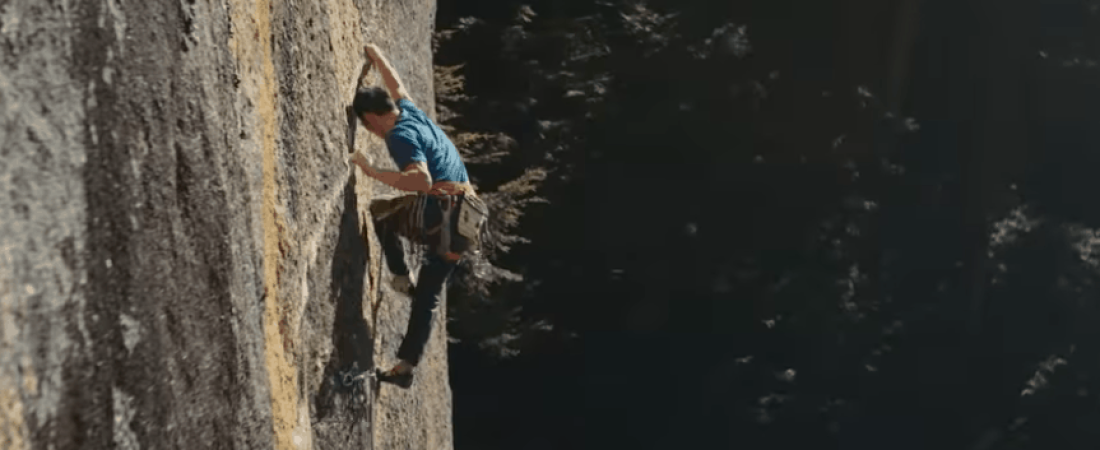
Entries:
{"x":344,"y":396}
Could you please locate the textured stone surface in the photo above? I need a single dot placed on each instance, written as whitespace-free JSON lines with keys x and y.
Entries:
{"x":181,"y":261}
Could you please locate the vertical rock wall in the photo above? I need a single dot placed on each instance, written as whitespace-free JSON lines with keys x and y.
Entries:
{"x":181,"y":260}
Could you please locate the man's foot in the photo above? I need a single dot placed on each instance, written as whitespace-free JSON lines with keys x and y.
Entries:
{"x":400,"y":375}
{"x":402,"y":284}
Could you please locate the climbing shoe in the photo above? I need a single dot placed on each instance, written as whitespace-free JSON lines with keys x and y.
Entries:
{"x":402,"y":284}
{"x":401,"y":377}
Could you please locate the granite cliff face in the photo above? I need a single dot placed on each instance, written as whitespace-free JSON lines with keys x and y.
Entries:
{"x":181,"y":261}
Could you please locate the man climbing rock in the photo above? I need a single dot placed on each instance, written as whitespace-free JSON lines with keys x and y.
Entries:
{"x":443,"y":213}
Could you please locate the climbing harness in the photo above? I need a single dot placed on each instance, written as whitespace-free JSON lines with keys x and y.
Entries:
{"x":460,"y":216}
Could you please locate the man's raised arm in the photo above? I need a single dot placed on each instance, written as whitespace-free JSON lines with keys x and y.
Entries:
{"x":393,"y":83}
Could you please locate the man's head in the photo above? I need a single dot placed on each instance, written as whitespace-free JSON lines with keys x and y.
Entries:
{"x":375,"y":109}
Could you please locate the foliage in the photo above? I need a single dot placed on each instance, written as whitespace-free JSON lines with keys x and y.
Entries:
{"x":709,"y":185}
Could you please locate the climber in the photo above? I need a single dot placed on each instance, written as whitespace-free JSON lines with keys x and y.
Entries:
{"x":443,"y":213}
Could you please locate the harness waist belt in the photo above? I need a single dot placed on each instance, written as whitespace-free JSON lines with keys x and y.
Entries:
{"x":451,"y":188}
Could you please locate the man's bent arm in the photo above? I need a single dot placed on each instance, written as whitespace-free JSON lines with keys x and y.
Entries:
{"x":389,"y":76}
{"x":414,"y":178}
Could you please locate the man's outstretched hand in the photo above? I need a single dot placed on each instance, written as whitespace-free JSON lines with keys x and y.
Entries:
{"x":363,"y":162}
{"x":373,"y":52}
{"x":389,"y":77}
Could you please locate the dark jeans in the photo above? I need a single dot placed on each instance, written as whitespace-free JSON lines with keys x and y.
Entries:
{"x":432,"y":280}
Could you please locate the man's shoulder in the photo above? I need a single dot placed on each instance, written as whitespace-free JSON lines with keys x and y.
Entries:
{"x":403,"y":132}
{"x":410,"y":124}
{"x":406,"y":103}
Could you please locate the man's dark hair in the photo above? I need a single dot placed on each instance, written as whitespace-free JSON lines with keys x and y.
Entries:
{"x":372,"y":99}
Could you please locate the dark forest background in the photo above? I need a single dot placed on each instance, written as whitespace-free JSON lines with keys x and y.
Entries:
{"x":851,"y":224}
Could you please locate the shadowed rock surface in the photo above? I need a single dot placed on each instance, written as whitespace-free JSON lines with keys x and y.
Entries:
{"x":181,"y":252}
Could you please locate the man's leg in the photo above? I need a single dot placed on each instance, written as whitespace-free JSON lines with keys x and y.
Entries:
{"x":394,"y":215}
{"x":392,"y":247}
{"x":434,"y":274}
{"x":429,"y":294}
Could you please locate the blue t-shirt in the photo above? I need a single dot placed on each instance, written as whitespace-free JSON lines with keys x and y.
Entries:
{"x":416,"y":138}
